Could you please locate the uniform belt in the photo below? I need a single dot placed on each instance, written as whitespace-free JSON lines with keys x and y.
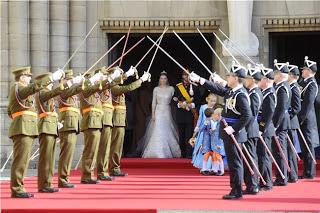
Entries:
{"x":63,"y":109}
{"x":16,"y":114}
{"x":231,"y":120}
{"x":45,"y":114}
{"x":119,"y":107}
{"x":89,"y":109}
{"x":108,"y":106}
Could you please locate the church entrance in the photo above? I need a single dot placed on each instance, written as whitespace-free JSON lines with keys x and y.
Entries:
{"x":139,"y":102}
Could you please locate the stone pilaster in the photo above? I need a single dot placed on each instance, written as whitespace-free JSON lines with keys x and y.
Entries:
{"x":18,"y":34}
{"x":39,"y":36}
{"x":78,"y":31}
{"x":59,"y":33}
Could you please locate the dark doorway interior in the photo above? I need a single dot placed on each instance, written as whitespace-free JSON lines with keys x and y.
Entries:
{"x":293,"y":47}
{"x":139,"y":101}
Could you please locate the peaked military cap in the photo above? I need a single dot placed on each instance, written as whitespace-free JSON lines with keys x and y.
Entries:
{"x":254,"y":72}
{"x":308,"y":64}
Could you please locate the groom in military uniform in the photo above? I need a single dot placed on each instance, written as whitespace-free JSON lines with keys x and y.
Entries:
{"x":188,"y":100}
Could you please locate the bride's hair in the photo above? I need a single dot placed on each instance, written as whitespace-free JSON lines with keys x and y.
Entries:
{"x":163,"y":73}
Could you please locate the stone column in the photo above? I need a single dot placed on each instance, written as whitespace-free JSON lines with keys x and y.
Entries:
{"x":97,"y":41}
{"x":18,"y":34}
{"x":59,"y":33}
{"x":78,"y":31}
{"x":240,"y":16}
{"x":5,"y":72}
{"x":39,"y":36}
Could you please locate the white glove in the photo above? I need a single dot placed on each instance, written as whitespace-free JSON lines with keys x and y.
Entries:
{"x":217,"y":78}
{"x":194,"y":77}
{"x":57,"y":75}
{"x":60,"y":125}
{"x":131,"y":71}
{"x":116,"y":74}
{"x":96,"y":77}
{"x":145,"y":76}
{"x":78,"y":79}
{"x":229,"y":130}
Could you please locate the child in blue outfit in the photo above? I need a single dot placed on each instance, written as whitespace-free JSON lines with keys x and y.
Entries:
{"x":196,"y":142}
{"x":211,"y":150}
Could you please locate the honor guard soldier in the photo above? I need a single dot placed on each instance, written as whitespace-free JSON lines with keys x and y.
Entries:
{"x":294,"y":109}
{"x":237,"y":114}
{"x":119,"y":120}
{"x":307,"y":118}
{"x":266,"y":126}
{"x":69,"y":116}
{"x":105,"y":140}
{"x":91,"y":123}
{"x":23,"y":129}
{"x":48,"y":129}
{"x":255,"y":95}
{"x":281,"y":120}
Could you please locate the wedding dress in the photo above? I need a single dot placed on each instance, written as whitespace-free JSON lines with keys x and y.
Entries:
{"x":161,"y":137}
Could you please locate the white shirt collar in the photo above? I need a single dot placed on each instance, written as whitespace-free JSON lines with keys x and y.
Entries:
{"x":293,"y":82}
{"x":253,"y":88}
{"x":267,"y":88}
{"x":280,"y":82}
{"x":237,"y":87}
{"x":307,"y":78}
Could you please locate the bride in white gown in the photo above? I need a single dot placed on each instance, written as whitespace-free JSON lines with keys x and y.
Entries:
{"x":161,"y":137}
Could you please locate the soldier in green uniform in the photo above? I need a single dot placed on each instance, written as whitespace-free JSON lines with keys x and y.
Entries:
{"x":91,"y":123}
{"x":119,"y":122}
{"x":48,"y":131}
{"x":105,"y":141}
{"x":69,"y":116}
{"x":23,"y":129}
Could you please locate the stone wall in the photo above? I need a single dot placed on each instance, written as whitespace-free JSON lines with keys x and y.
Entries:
{"x":45,"y":33}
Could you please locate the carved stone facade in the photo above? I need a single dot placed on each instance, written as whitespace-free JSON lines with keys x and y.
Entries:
{"x":45,"y":33}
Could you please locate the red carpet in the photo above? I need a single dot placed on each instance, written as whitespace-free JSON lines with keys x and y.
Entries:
{"x":161,"y":184}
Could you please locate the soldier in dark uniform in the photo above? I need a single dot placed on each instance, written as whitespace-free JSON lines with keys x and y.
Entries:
{"x":186,"y":112}
{"x":266,"y":126}
{"x":281,"y":119}
{"x":294,"y":122}
{"x":237,"y":114}
{"x":251,"y":84}
{"x":307,"y":117}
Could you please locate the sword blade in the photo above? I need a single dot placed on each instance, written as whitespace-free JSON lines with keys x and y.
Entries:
{"x":109,"y":50}
{"x":129,"y":50}
{"x":184,"y":43}
{"x":235,"y":47}
{"x":214,"y":52}
{"x":224,"y":46}
{"x":125,"y":45}
{"x":143,"y":57}
{"x":169,"y":56}
{"x":154,"y":54}
{"x":82,"y":42}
